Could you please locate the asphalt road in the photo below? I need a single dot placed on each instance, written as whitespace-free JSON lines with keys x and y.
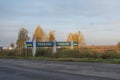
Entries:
{"x":12,"y":69}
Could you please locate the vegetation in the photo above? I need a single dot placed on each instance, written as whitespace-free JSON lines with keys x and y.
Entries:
{"x":65,"y":53}
{"x":51,"y":36}
{"x":62,"y":54}
{"x":22,"y":38}
{"x":12,"y":45}
{"x":77,"y":37}
{"x":118,"y":46}
{"x":44,"y":52}
{"x":83,"y":55}
{"x":39,"y":34}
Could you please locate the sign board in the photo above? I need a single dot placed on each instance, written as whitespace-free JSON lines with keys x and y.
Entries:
{"x":44,"y":44}
{"x":50,"y":44}
{"x":75,"y":43}
{"x":63,"y":43}
{"x":29,"y":44}
{"x":35,"y":44}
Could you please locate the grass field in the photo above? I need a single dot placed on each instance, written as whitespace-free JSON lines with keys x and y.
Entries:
{"x":86,"y":55}
{"x":115,"y":61}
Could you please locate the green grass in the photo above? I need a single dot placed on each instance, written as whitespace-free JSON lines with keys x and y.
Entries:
{"x":99,"y":60}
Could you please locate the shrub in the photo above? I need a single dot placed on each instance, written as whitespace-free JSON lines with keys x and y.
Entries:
{"x":26,"y":52}
{"x":3,"y":52}
{"x":67,"y":53}
{"x":46,"y":52}
{"x":11,"y":53}
{"x":64,"y":53}
{"x":110,"y":54}
{"x":88,"y":53}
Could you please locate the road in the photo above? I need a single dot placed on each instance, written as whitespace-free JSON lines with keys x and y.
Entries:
{"x":12,"y":69}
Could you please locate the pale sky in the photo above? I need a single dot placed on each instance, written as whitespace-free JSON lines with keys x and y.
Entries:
{"x":98,"y":20}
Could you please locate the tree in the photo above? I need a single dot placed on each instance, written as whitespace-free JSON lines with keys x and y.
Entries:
{"x":118,"y":45}
{"x":22,"y":38}
{"x":12,"y":45}
{"x":81,"y":39}
{"x":69,"y":38}
{"x":39,"y":34}
{"x":77,"y":37}
{"x":51,"y":36}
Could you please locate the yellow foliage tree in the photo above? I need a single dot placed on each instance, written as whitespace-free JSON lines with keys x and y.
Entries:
{"x":39,"y":34}
{"x":77,"y":37}
{"x":51,"y":36}
{"x":69,"y":38}
{"x":81,"y":39}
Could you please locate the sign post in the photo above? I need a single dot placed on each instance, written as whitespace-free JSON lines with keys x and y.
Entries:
{"x":34,"y":47}
{"x":53,"y":44}
{"x":71,"y":44}
{"x":54,"y":47}
{"x":28,"y":44}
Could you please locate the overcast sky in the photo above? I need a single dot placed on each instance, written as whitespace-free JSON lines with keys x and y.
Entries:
{"x":98,"y":20}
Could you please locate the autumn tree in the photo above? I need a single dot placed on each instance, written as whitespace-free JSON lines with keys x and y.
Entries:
{"x":77,"y":37}
{"x":39,"y":34}
{"x":81,"y":39}
{"x":69,"y":38}
{"x":118,"y":45}
{"x":22,"y":38}
{"x":51,"y":36}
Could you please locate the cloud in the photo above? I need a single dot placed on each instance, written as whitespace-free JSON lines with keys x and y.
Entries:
{"x":58,"y":8}
{"x":92,"y":17}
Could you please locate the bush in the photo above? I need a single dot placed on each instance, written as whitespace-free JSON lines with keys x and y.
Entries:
{"x":75,"y":53}
{"x":11,"y":53}
{"x":110,"y":54}
{"x":7,"y":52}
{"x":66,"y":53}
{"x":88,"y":53}
{"x":3,"y":52}
{"x":46,"y":52}
{"x":26,"y":52}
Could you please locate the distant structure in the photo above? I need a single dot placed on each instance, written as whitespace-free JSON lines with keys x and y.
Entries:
{"x":1,"y":48}
{"x":76,"y":37}
{"x":4,"y":48}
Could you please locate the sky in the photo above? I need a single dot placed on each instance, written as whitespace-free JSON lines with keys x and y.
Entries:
{"x":98,"y":20}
